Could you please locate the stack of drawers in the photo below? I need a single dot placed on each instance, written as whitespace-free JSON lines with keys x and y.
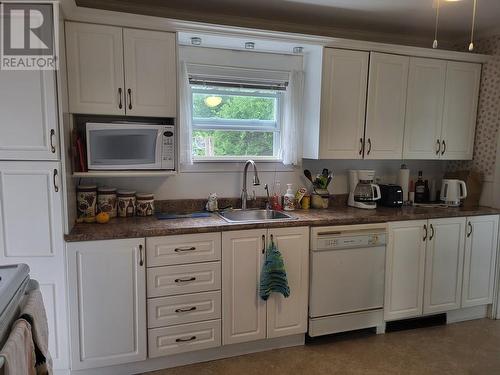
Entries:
{"x":184,"y":293}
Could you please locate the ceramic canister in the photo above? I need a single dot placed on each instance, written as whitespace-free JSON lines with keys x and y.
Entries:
{"x":144,"y":204}
{"x":126,"y":203}
{"x":86,"y":198}
{"x":106,"y":200}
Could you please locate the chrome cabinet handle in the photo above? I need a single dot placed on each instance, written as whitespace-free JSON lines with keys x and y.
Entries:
{"x":439,"y":146}
{"x":263,"y":244}
{"x":141,"y":256}
{"x":129,"y":91}
{"x":185,"y":280}
{"x":181,"y":249}
{"x":432,"y":233}
{"x":193,"y":308}
{"x":360,"y":146}
{"x":425,"y":228}
{"x":470,"y":229}
{"x":181,"y":339}
{"x":369,"y":146}
{"x":444,"y":148}
{"x":52,"y":147}
{"x":120,"y":97}
{"x":54,"y":176}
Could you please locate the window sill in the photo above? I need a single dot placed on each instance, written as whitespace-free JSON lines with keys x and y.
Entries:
{"x":261,"y":159}
{"x":231,"y":166}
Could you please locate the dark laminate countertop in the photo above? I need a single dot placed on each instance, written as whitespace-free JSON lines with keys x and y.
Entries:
{"x":150,"y":226}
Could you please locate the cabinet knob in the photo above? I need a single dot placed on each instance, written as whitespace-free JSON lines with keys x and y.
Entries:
{"x":470,"y":229}
{"x":438,"y":142}
{"x":444,"y":148}
{"x":141,"y":256}
{"x":129,"y":91}
{"x":361,"y":146}
{"x":120,"y":105}
{"x":425,"y":235}
{"x":54,"y":180}
{"x":369,"y":146}
{"x":52,"y":135}
{"x":432,"y":232}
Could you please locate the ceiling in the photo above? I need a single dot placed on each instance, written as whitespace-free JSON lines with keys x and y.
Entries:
{"x":410,"y":18}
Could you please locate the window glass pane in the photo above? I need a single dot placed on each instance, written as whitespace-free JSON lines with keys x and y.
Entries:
{"x":240,"y":105}
{"x":216,"y":143}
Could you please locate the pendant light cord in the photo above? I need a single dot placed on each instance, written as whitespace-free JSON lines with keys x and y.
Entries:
{"x":435,"y":43}
{"x":471,"y":45}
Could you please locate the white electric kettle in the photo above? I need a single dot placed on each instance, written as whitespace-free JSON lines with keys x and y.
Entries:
{"x":452,"y":191}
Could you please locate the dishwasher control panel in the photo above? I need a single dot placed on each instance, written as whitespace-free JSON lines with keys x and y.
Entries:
{"x":350,"y":241}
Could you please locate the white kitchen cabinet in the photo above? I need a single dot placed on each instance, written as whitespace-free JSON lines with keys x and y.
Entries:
{"x":386,"y":106}
{"x":150,"y":73}
{"x":243,"y":311}
{"x":405,"y":269}
{"x":107,"y":301}
{"x":460,"y":110}
{"x":31,"y":232}
{"x":480,"y":258}
{"x":444,"y":265}
{"x":424,"y":108}
{"x":95,"y":69}
{"x":288,"y":316}
{"x":29,"y":126}
{"x":343,"y":104}
{"x":118,"y":71}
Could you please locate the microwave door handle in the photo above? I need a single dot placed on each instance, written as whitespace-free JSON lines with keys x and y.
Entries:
{"x":159,"y":147}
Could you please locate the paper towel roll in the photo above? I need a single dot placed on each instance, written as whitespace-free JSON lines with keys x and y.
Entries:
{"x":403,"y":180}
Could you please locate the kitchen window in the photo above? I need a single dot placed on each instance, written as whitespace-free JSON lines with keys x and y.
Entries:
{"x":232,"y":123}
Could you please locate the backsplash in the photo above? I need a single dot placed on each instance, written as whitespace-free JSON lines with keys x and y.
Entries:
{"x":488,"y":119}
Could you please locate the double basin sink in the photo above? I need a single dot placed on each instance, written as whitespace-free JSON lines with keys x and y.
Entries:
{"x":253,"y":215}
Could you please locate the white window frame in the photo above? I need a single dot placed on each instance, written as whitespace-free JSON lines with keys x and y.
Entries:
{"x":274,"y":126}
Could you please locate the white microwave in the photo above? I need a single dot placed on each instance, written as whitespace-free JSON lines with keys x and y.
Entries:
{"x":119,"y":146}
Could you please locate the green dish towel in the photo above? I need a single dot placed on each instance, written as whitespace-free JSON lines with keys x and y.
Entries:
{"x":273,"y":276}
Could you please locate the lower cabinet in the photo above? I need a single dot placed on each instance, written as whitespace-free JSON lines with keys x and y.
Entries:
{"x":438,"y":265}
{"x":245,"y":316}
{"x":107,"y":302}
{"x":480,"y":257}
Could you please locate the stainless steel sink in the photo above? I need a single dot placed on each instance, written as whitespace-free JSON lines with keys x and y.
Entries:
{"x":245,"y":216}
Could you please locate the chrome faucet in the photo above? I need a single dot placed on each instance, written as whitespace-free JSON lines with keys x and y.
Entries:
{"x":256,"y":182}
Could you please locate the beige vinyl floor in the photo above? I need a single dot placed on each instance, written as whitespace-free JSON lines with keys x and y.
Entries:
{"x":471,"y":347}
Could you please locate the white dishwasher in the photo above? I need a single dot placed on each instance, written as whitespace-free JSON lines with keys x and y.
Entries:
{"x":347,"y":278}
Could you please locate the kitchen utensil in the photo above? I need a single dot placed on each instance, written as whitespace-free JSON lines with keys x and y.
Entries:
{"x":308,"y":174}
{"x":452,"y":191}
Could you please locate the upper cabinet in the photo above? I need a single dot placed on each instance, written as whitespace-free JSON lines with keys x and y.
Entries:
{"x":460,"y":110}
{"x":385,"y":111}
{"x":441,"y":109}
{"x":424,"y":108}
{"x":116,"y":71}
{"x":343,"y":103}
{"x":30,"y":133}
{"x":385,"y":106}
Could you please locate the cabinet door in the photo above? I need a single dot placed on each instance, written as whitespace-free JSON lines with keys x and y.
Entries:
{"x":385,"y":113}
{"x":444,"y":265}
{"x":424,"y":108}
{"x":95,"y":69}
{"x":404,"y":272}
{"x":480,"y":257}
{"x":460,"y":110}
{"x":150,"y":73}
{"x":343,"y":101}
{"x":243,"y":311}
{"x":31,"y":232}
{"x":28,"y":108}
{"x":288,"y":316}
{"x":107,"y":300}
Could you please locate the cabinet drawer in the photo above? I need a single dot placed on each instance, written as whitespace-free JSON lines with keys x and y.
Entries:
{"x":188,"y":308}
{"x":189,"y":248}
{"x":184,"y":338}
{"x":183,"y":279}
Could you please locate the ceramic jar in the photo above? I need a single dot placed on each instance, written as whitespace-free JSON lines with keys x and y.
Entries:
{"x":144,"y":204}
{"x":320,"y":198}
{"x":126,"y":203}
{"x":86,"y":198}
{"x":106,"y":201}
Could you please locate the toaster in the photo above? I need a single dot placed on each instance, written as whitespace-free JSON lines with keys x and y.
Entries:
{"x":391,"y":196}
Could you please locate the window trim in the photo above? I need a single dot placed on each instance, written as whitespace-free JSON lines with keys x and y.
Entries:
{"x":274,"y":126}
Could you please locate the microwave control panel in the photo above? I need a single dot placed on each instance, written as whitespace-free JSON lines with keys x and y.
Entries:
{"x":168,"y":148}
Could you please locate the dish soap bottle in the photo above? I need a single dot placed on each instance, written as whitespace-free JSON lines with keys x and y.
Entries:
{"x":289,"y":199}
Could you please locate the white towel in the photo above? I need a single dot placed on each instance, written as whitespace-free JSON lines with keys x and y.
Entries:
{"x":19,"y":351}
{"x":34,"y":308}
